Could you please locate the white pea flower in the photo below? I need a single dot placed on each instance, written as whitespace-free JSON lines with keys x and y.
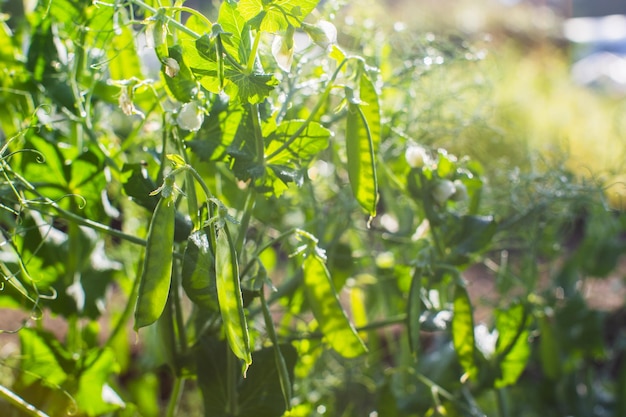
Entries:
{"x":190,"y":117}
{"x":171,"y":67}
{"x":442,"y":191}
{"x":416,"y":156}
{"x":460,"y":191}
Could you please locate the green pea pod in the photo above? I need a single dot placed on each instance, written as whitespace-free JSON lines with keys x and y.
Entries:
{"x":463,"y":331}
{"x":281,"y":365}
{"x":334,"y":324}
{"x":414,"y":311}
{"x":361,"y":164}
{"x":230,"y":298}
{"x":198,"y":274}
{"x":154,"y":285}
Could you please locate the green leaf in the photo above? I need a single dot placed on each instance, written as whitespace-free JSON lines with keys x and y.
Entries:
{"x":155,"y":281}
{"x":182,"y":86}
{"x":254,"y":87}
{"x":296,"y":141}
{"x":277,"y":15}
{"x":123,"y":59}
{"x":198,"y":273}
{"x":463,"y":331}
{"x":513,"y":347}
{"x":43,"y":358}
{"x":230,"y":297}
{"x":94,"y":396}
{"x":361,"y":163}
{"x":259,"y":394}
{"x":339,"y":333}
{"x":234,"y":24}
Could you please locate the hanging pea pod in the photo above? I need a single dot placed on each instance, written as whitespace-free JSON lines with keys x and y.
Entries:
{"x":333,"y":322}
{"x":281,"y":365}
{"x":155,"y":281}
{"x":198,"y":273}
{"x":230,"y":298}
{"x":414,"y":311}
{"x":361,"y":159}
{"x":463,"y":331}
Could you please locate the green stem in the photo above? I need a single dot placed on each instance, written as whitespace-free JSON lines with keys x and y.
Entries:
{"x":503,"y":410}
{"x":19,"y":403}
{"x":177,"y":391}
{"x":313,"y":113}
{"x":232,"y":396}
{"x":170,"y":21}
{"x":252,"y":57}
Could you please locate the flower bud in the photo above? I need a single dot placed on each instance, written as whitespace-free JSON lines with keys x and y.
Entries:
{"x":460,"y":191}
{"x":416,"y":156}
{"x":190,"y":117}
{"x":171,"y":67}
{"x":442,"y":191}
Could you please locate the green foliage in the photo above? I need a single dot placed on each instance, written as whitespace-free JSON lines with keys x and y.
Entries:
{"x":277,"y":214}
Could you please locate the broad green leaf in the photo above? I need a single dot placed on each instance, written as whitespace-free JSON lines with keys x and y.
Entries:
{"x":198,"y":274}
{"x":296,"y":141}
{"x":218,"y":131}
{"x":94,"y":396}
{"x":361,"y":159}
{"x":43,"y":358}
{"x":259,"y":394}
{"x":155,"y":281}
{"x":277,"y":15}
{"x":230,"y":298}
{"x":234,"y":24}
{"x":123,"y":59}
{"x":183,"y":84}
{"x":252,"y":88}
{"x":513,"y":347}
{"x":463,"y":331}
{"x":339,"y":333}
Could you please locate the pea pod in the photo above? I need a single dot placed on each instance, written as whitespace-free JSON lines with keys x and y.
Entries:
{"x":154,"y":285}
{"x":361,"y":164}
{"x":414,"y":311}
{"x":334,"y":324}
{"x":229,"y":297}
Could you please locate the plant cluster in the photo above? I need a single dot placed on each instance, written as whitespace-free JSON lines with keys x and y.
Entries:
{"x":232,"y":216}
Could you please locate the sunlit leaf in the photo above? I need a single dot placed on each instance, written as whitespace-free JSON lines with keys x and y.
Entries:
{"x":94,"y":395}
{"x":513,"y":347}
{"x":463,"y":331}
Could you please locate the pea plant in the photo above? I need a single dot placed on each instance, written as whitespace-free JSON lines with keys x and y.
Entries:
{"x":218,"y":209}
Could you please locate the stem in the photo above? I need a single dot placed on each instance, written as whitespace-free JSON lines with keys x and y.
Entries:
{"x":171,"y":21}
{"x":177,"y":392}
{"x":19,"y":403}
{"x":252,"y":57}
{"x":309,"y":119}
{"x":503,"y":409}
{"x":232,"y":397}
